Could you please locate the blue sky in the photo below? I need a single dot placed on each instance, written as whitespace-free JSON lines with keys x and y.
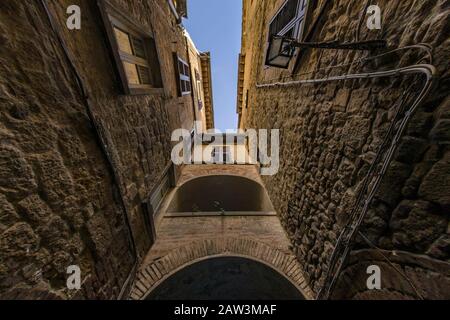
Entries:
{"x":215,"y":25}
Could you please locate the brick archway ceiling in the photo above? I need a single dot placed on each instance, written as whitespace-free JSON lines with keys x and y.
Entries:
{"x":154,"y":273}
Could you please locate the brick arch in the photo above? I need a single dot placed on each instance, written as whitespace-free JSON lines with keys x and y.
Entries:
{"x":153,"y":274}
{"x":193,"y":172}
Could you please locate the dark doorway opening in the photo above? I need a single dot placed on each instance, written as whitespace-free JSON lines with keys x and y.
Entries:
{"x":226,"y":278}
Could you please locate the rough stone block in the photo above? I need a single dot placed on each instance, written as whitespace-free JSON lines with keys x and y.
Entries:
{"x":416,"y":224}
{"x":435,"y":187}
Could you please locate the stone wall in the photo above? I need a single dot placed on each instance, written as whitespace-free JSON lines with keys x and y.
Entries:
{"x":62,"y":201}
{"x":330,"y":132}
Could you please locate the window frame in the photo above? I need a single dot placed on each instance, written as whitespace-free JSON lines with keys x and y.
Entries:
{"x":160,"y":192}
{"x":181,"y":76}
{"x":165,"y":183}
{"x":177,"y":10}
{"x":115,"y":19}
{"x":297,"y":24}
{"x":225,"y":151}
{"x":151,"y":214}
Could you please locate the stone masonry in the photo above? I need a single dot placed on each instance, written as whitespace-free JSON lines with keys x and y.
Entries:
{"x":62,"y":200}
{"x":330,"y":133}
{"x":76,"y":170}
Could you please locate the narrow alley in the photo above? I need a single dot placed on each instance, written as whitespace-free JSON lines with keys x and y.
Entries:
{"x":193,"y":229}
{"x":119,"y":179}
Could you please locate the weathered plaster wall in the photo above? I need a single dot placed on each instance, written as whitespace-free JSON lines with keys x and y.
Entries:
{"x":59,"y":202}
{"x":330,"y":133}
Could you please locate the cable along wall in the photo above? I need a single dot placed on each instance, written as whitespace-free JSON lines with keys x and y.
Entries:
{"x":383,"y":158}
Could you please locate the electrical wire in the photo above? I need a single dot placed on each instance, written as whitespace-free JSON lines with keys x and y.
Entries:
{"x":399,"y":271}
{"x":343,"y":245}
{"x":422,"y":46}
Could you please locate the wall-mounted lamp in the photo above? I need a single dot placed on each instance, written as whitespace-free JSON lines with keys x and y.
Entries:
{"x":282,"y":49}
{"x":280,"y":52}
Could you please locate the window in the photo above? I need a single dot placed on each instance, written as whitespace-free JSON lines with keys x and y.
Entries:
{"x":134,"y":51}
{"x":153,"y":203}
{"x":183,"y":74}
{"x":199,"y":90}
{"x":163,"y":187}
{"x":160,"y":192}
{"x":221,"y":155}
{"x":179,"y":8}
{"x":289,"y":19}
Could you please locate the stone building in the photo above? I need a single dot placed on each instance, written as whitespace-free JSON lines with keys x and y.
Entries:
{"x":201,"y":82}
{"x":87,"y":180}
{"x":334,"y":128}
{"x":85,"y":125}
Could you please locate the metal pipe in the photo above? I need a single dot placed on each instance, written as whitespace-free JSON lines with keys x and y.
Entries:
{"x":361,"y":45}
{"x":348,"y":234}
{"x":421,"y":68}
{"x":423,"y":46}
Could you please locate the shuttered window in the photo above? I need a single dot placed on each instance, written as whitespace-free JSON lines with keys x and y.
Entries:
{"x":134,"y":51}
{"x":183,"y":74}
{"x":134,"y":57}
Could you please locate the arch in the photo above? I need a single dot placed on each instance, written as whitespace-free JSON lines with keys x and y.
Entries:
{"x":215,"y":193}
{"x":151,"y":275}
{"x":226,"y":278}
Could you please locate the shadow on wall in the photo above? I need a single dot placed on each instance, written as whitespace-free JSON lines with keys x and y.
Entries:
{"x":226,"y":278}
{"x":221,"y":193}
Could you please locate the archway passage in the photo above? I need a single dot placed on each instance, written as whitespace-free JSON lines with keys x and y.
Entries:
{"x":155,"y":272}
{"x":220,"y":193}
{"x":226,"y":278}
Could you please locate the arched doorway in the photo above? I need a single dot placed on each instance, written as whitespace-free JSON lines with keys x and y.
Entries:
{"x":208,"y":218}
{"x":226,"y":278}
{"x":153,"y":274}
